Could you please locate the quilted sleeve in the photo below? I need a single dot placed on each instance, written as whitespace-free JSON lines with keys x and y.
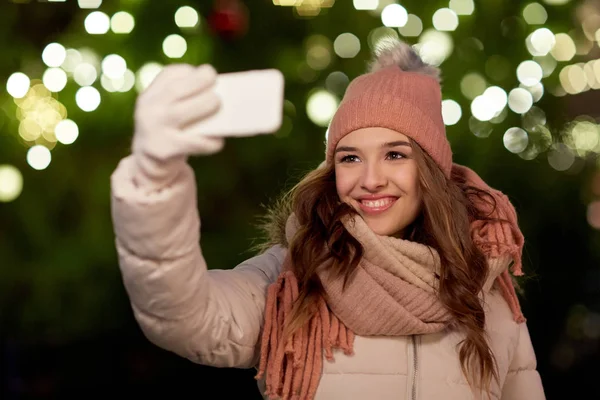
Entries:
{"x":212,"y":317}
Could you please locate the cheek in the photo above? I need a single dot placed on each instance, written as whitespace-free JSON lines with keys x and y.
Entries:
{"x":409,"y":183}
{"x":342,"y":183}
{"x":412,"y":182}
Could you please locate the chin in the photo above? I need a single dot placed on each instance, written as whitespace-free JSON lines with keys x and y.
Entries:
{"x":383,"y":229}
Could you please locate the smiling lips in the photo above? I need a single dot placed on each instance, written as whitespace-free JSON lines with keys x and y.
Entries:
{"x":376,"y":205}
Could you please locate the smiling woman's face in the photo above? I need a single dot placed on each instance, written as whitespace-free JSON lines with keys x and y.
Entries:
{"x":377,"y":175}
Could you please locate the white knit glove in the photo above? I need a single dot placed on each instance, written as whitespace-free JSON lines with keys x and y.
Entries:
{"x":165,"y":115}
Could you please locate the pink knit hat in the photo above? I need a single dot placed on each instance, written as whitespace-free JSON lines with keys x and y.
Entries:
{"x":400,"y":93}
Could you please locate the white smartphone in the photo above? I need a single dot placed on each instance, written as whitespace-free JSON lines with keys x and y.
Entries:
{"x":251,"y":104}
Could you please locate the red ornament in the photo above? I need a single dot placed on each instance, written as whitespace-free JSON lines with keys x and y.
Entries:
{"x":229,"y":19}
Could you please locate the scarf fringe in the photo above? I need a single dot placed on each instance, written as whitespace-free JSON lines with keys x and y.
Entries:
{"x":507,"y":288}
{"x":301,"y":370}
{"x":500,"y":239}
{"x":497,"y":238}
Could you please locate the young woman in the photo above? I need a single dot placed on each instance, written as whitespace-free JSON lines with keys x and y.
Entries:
{"x":387,"y":272}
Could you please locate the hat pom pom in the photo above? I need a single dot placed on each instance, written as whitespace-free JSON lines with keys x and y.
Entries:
{"x":391,"y":51}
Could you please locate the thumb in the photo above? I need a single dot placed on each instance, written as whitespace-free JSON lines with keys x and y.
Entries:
{"x":200,"y":144}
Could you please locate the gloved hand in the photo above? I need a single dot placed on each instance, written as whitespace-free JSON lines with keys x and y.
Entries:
{"x":165,"y":115}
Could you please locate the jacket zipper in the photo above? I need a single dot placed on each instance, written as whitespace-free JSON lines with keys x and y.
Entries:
{"x":415,"y":343}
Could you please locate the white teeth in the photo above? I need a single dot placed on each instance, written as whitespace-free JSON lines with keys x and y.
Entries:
{"x":377,"y":203}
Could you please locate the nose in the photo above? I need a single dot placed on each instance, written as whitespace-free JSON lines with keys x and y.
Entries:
{"x":373,"y":178}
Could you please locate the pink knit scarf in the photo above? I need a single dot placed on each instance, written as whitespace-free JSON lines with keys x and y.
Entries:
{"x":393,"y":293}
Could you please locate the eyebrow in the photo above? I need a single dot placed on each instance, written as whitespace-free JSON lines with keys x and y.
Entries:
{"x":383,"y":146}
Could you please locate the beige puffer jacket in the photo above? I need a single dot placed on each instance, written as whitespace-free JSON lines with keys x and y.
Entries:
{"x":214,"y":317}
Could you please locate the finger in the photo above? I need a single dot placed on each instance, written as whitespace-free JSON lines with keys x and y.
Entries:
{"x":193,"y":83}
{"x":164,"y":79}
{"x":187,"y":112}
{"x":199,"y":144}
{"x":179,"y":81}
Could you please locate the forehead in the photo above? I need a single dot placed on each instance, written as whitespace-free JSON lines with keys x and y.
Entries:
{"x":373,"y":136}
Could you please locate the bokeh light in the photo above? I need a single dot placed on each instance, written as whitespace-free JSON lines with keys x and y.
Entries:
{"x":472,"y":85}
{"x":89,"y":3}
{"x":413,"y":26}
{"x":122,"y":22}
{"x":346,"y":45}
{"x":481,"y":129}
{"x":337,"y":82}
{"x":451,"y":112}
{"x":146,"y":74}
{"x":489,"y":105}
{"x":462,"y":7}
{"x":366,"y":4}
{"x":318,"y":52}
{"x":54,"y":54}
{"x":66,"y":131}
{"x":17,"y":85}
{"x":55,"y":79}
{"x":90,"y":56}
{"x":88,"y":98}
{"x":114,"y":66}
{"x":321,"y":106}
{"x":520,"y":100}
{"x":38,"y":113}
{"x":540,"y":42}
{"x":174,"y":46}
{"x":573,"y":79}
{"x":97,"y":23}
{"x":38,"y":157}
{"x":434,"y":46}
{"x":394,"y":15}
{"x":548,"y":64}
{"x":564,"y":49}
{"x":515,"y":140}
{"x":482,"y":108}
{"x":535,"y":14}
{"x":529,"y":73}
{"x":445,"y":19}
{"x":123,"y":83}
{"x":585,"y":136}
{"x":560,"y":157}
{"x":11,"y":183}
{"x":533,"y":118}
{"x":186,"y":17}
{"x":72,"y":59}
{"x":85,"y":74}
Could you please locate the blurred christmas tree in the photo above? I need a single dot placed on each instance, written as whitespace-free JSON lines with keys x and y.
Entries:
{"x":520,"y":84}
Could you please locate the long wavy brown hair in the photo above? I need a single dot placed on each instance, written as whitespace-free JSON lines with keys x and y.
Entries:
{"x":444,"y":225}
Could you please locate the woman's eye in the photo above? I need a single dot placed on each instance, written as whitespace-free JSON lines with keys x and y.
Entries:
{"x":349,"y":158}
{"x":394,"y":155}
